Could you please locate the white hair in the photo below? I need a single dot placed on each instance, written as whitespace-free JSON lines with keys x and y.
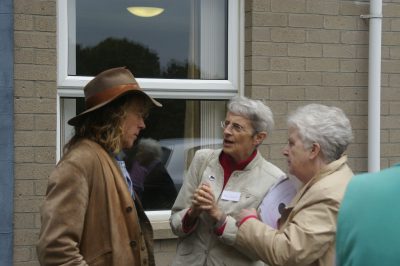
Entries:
{"x":325,"y":125}
{"x":256,"y":111}
{"x":148,"y":150}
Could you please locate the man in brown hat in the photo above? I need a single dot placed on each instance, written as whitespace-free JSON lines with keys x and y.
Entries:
{"x":91,"y":215}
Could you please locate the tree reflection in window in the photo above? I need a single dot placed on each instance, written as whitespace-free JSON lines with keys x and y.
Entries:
{"x":142,"y":61}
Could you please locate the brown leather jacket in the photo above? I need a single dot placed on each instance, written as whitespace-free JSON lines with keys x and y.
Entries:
{"x":89,"y":217}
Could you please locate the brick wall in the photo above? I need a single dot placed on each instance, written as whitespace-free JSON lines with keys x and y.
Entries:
{"x":35,"y":118}
{"x":296,"y":52}
{"x":304,"y":51}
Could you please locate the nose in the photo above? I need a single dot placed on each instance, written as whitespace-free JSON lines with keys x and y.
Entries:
{"x":227,"y":130}
{"x":285,"y":150}
{"x":142,"y":125}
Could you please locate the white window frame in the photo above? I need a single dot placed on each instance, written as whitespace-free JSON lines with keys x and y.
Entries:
{"x":168,"y":88}
{"x":71,"y":86}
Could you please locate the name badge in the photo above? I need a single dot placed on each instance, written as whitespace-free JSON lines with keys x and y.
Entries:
{"x":230,"y":195}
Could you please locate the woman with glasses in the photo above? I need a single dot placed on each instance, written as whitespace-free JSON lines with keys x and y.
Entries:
{"x":219,"y":184}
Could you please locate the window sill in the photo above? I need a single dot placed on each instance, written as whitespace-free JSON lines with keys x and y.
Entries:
{"x":162,"y":230}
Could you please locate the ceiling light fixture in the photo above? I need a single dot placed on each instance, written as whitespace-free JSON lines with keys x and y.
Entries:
{"x":143,"y":11}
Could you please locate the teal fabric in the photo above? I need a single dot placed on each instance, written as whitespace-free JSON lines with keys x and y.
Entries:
{"x":369,"y":220}
{"x":6,"y":131}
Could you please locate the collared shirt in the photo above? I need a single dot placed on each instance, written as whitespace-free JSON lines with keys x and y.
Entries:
{"x":229,"y":165}
{"x":128,"y":179}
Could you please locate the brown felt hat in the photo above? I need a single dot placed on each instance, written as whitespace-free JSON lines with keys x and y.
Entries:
{"x":106,"y":87}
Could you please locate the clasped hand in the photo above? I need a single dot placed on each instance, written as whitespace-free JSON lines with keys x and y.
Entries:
{"x":204,"y":200}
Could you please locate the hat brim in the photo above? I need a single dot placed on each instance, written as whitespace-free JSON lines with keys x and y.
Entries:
{"x":78,"y":119}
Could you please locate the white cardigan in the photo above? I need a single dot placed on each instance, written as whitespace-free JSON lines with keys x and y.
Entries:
{"x":202,"y":246}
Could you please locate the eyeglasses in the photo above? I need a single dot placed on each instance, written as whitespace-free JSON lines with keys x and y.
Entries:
{"x":234,"y":126}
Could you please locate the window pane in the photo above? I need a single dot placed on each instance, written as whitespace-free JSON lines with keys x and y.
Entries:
{"x":187,"y":40}
{"x":159,"y":160}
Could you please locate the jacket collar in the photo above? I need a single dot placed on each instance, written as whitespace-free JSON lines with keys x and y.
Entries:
{"x":250,"y":165}
{"x":325,"y":171}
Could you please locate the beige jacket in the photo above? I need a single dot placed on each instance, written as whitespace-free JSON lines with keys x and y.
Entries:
{"x":308,"y":226}
{"x":89,"y":217}
{"x":202,"y":246}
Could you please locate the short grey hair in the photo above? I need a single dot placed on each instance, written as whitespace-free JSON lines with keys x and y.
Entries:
{"x":256,"y":111}
{"x":148,"y":150}
{"x":325,"y":125}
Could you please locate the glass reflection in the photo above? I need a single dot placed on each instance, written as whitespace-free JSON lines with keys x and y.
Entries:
{"x":186,"y":41}
{"x":160,"y":158}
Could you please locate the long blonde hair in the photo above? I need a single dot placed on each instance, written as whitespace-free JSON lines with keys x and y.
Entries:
{"x":104,"y":125}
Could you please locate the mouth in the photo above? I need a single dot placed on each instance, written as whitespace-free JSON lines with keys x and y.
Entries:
{"x":228,"y":142}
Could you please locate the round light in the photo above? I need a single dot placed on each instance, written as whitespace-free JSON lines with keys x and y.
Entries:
{"x":143,"y":11}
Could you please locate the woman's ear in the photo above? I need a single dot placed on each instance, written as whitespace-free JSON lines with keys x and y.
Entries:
{"x":259,"y":137}
{"x":315,"y":150}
